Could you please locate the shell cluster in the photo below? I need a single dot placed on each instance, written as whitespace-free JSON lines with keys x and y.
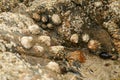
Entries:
{"x":61,"y":32}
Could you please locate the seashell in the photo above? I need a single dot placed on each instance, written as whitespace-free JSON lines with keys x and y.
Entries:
{"x":74,"y":38}
{"x":105,"y":55}
{"x":34,"y":29}
{"x":56,"y":19}
{"x":85,"y":37}
{"x":56,"y":49}
{"x":45,"y":39}
{"x":38,"y":48}
{"x":44,"y":18}
{"x":26,"y":42}
{"x":53,"y":66}
{"x":36,"y":16}
{"x":94,"y":45}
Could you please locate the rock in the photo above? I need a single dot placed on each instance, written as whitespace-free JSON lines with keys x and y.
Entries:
{"x":56,"y":49}
{"x":74,"y":38}
{"x":56,"y":19}
{"x":53,"y":66}
{"x":45,"y":39}
{"x":34,"y":29}
{"x":26,"y":42}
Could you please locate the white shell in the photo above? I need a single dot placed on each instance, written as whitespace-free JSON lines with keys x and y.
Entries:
{"x":53,"y":66}
{"x":56,"y":49}
{"x":94,"y":45}
{"x":34,"y":29}
{"x":56,"y":19}
{"x":26,"y":42}
{"x":45,"y":39}
{"x":74,"y":38}
{"x":85,"y":37}
{"x":39,"y":48}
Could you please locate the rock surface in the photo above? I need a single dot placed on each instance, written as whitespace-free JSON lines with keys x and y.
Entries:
{"x":59,"y":40}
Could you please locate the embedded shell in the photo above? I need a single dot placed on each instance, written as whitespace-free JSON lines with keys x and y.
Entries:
{"x":34,"y":29}
{"x":26,"y":42}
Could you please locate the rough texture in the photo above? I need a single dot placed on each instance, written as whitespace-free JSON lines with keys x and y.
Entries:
{"x":59,"y":39}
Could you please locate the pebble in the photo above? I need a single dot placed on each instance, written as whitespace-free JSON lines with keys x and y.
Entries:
{"x":74,"y":38}
{"x":85,"y":37}
{"x":53,"y":66}
{"x":56,"y":49}
{"x":34,"y":29}
{"x":36,"y":16}
{"x":45,"y":39}
{"x":26,"y":42}
{"x":56,"y":19}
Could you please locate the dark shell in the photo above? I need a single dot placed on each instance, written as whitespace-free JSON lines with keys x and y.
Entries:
{"x":105,"y":55}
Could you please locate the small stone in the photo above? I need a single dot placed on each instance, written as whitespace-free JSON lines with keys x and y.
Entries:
{"x":44,"y":18}
{"x":26,"y":42}
{"x":36,"y":16}
{"x":85,"y":37}
{"x":53,"y":66}
{"x":74,"y":38}
{"x":45,"y":39}
{"x":56,"y":49}
{"x":50,"y":26}
{"x":56,"y":19}
{"x":34,"y":29}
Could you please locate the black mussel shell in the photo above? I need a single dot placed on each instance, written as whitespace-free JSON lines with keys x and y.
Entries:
{"x":105,"y":55}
